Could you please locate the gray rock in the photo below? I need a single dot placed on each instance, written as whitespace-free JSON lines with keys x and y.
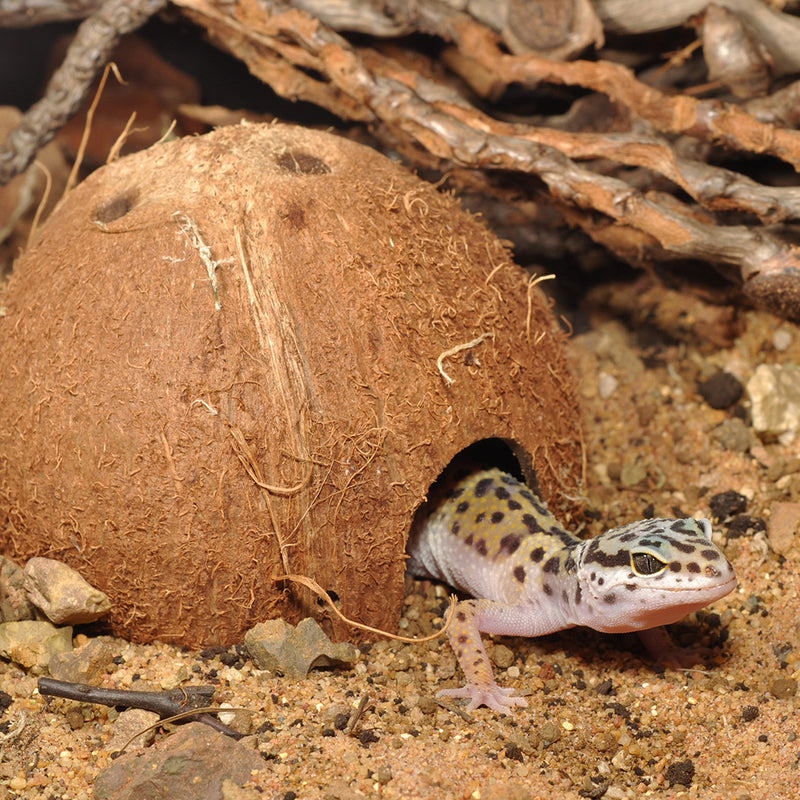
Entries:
{"x":277,"y":646}
{"x":62,"y":594}
{"x":192,"y":764}
{"x":14,"y":603}
{"x":85,"y":664}
{"x":32,"y":643}
{"x":774,"y":391}
{"x":127,"y":725}
{"x":734,"y":435}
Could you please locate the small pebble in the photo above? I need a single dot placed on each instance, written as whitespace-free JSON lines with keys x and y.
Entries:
{"x":427,"y":705}
{"x":749,"y":713}
{"x":721,"y":390}
{"x":502,"y":656}
{"x":548,"y":734}
{"x":774,"y":391}
{"x":74,"y":719}
{"x":783,"y":688}
{"x":734,"y":435}
{"x":783,"y":526}
{"x":606,"y":385}
{"x":632,"y":474}
{"x":680,"y":772}
{"x":383,"y":774}
{"x":781,"y":340}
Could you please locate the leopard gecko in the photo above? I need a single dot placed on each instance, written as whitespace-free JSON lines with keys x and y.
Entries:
{"x":489,"y":536}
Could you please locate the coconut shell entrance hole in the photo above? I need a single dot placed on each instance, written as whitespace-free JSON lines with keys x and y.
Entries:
{"x":252,"y":352}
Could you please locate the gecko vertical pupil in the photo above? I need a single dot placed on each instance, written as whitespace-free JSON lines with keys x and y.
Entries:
{"x":646,"y":564}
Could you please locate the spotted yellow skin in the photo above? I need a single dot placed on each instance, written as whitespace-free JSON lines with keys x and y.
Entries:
{"x":489,"y":536}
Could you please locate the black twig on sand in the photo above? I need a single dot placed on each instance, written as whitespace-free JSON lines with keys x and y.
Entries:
{"x":165,"y":704}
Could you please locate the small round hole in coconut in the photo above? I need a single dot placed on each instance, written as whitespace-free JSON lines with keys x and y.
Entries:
{"x":115,"y":208}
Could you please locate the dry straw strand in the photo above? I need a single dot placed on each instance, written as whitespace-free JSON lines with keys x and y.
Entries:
{"x":43,"y":202}
{"x":189,"y":228}
{"x":457,"y":349}
{"x":87,"y":128}
{"x":113,"y":153}
{"x":310,"y":583}
{"x":534,"y":279}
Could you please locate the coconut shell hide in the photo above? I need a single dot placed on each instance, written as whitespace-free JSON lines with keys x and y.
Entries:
{"x":219,"y":365}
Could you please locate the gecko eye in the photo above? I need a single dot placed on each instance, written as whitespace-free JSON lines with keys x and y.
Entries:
{"x":646,"y":564}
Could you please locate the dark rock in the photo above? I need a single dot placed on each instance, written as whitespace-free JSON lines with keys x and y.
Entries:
{"x":192,"y":764}
{"x":680,"y":772}
{"x":721,"y":390}
{"x":726,"y":504}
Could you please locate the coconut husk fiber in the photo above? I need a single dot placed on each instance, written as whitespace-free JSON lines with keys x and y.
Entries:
{"x":250,"y":353}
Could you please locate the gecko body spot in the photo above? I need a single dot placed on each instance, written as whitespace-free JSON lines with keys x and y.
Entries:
{"x":510,"y":543}
{"x":482,"y":486}
{"x":532,"y":524}
{"x":552,"y":565}
{"x":537,"y":554}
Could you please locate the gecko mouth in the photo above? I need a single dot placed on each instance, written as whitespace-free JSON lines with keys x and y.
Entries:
{"x":723,"y":587}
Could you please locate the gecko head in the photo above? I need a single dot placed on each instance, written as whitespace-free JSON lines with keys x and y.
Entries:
{"x":649,"y":573}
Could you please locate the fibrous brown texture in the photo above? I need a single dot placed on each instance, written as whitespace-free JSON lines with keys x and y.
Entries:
{"x":251,"y":353}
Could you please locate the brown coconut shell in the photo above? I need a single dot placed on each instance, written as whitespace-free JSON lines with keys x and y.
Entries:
{"x":219,"y":364}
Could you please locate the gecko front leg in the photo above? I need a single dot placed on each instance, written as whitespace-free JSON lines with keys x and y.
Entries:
{"x":464,"y":633}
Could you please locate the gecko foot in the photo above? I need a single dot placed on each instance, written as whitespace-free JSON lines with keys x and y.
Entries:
{"x":493,"y":696}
